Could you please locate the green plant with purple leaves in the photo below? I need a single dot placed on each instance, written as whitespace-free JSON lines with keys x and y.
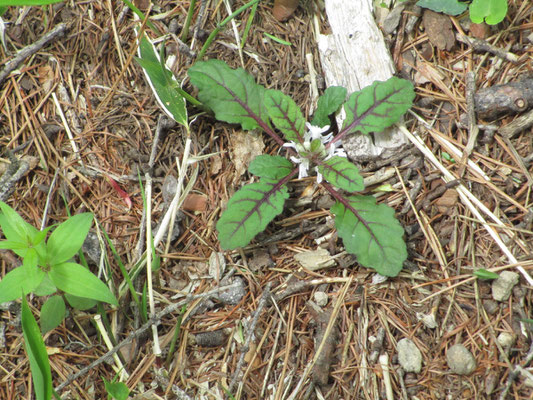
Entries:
{"x":368,"y":230}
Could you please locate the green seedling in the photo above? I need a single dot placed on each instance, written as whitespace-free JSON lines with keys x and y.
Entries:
{"x":116,"y":390}
{"x":485,"y":274}
{"x":47,"y":266}
{"x":490,"y":11}
{"x":368,"y":230}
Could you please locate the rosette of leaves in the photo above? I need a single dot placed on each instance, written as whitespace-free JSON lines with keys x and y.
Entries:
{"x":47,"y":266}
{"x":368,"y":230}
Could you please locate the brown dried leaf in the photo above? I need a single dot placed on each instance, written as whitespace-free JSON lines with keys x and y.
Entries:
{"x":246,"y":146}
{"x":446,"y":203}
{"x":439,"y":30}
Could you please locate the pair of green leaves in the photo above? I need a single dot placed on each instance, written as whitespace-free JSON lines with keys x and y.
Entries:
{"x":368,"y":230}
{"x":491,"y":11}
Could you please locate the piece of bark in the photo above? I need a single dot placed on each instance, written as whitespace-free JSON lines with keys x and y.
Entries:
{"x":323,"y":363}
{"x":353,"y":56}
{"x":509,"y":98}
{"x":439,"y":30}
{"x":520,"y":124}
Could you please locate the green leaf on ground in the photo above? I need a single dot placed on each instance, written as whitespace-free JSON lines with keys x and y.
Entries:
{"x":66,"y":240}
{"x":377,"y":106}
{"x":491,"y":11}
{"x":232,"y":94}
{"x":272,"y":167}
{"x":74,"y":279}
{"x":18,"y":231}
{"x":249,"y":211}
{"x":164,"y":86}
{"x":80,"y":303}
{"x":52,"y":313}
{"x":36,"y":350}
{"x":21,"y":280}
{"x":341,"y":173}
{"x":372,"y":233}
{"x":328,"y":103}
{"x":485,"y":275}
{"x":450,"y":7}
{"x":117,"y":390}
{"x":19,"y":3}
{"x":285,"y":115}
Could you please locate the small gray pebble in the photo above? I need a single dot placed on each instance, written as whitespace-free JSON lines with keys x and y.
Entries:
{"x":91,"y":248}
{"x":409,"y":356}
{"x":503,"y":286}
{"x":321,"y":299}
{"x":460,"y":360}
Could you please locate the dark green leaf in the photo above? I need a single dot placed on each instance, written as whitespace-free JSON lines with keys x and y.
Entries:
{"x":74,"y":279}
{"x":117,"y":390}
{"x":162,"y":83}
{"x":80,"y":303}
{"x":486,"y":275}
{"x":450,"y":7}
{"x":378,"y":106}
{"x":66,"y":240}
{"x":341,"y":173}
{"x":272,"y":167}
{"x":231,"y":93}
{"x":249,"y":211}
{"x":52,"y":313}
{"x":328,"y":103}
{"x":23,"y":279}
{"x":285,"y":115}
{"x":492,"y":11}
{"x":36,"y":350}
{"x":371,"y":232}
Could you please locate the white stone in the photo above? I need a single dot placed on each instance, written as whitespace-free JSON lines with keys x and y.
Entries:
{"x":316,"y":259}
{"x":409,"y":356}
{"x":321,"y":299}
{"x":503,"y":286}
{"x":460,"y":360}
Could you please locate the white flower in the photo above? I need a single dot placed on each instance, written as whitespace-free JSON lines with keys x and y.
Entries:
{"x":314,"y":133}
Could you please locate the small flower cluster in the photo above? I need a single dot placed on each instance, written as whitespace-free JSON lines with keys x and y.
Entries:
{"x":315,"y":143}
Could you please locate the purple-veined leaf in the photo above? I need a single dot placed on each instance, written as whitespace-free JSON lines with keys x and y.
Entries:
{"x":285,"y":115}
{"x":231,"y":93}
{"x":450,"y":7}
{"x":377,"y":106}
{"x":328,"y":103}
{"x":372,"y":233}
{"x":249,"y":211}
{"x":341,"y":173}
{"x":272,"y":167}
